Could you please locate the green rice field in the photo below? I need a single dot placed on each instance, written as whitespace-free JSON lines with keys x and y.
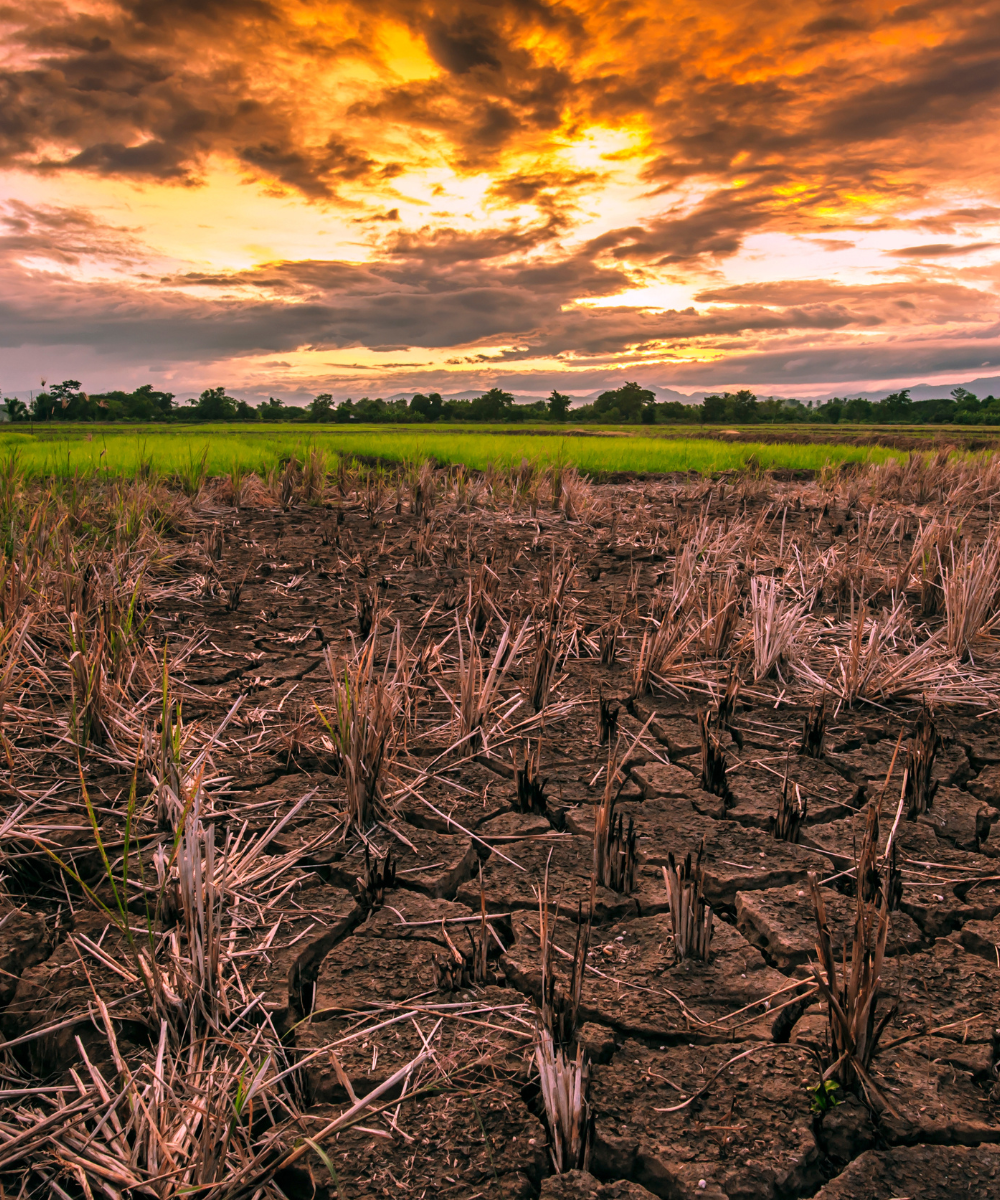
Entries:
{"x":63,"y":451}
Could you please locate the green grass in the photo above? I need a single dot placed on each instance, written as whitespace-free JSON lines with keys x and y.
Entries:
{"x":63,"y":451}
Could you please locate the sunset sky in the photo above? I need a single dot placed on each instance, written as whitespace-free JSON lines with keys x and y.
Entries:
{"x":289,"y":197}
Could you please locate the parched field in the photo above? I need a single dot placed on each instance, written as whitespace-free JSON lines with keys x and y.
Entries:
{"x":434,"y":833}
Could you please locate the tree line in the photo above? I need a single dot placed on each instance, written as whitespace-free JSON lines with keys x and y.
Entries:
{"x":628,"y":404}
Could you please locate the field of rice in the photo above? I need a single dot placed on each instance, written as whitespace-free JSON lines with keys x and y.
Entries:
{"x":63,"y":451}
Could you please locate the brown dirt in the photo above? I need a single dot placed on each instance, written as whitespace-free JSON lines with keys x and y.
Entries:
{"x":351,"y":984}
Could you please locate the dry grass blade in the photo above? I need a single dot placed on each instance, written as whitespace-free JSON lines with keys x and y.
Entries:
{"x":790,"y":815}
{"x":548,"y":625}
{"x":563,"y":1069}
{"x":918,"y":785}
{"x":529,"y":786}
{"x":361,"y":727}
{"x":713,"y":760}
{"x":778,"y":628}
{"x":691,"y":915}
{"x":970,"y":581}
{"x":615,"y":853}
{"x":814,"y":730}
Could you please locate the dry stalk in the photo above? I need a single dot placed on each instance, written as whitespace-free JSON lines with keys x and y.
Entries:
{"x":563,"y":1069}
{"x":607,"y":720}
{"x":461,"y":970}
{"x":851,"y":1002}
{"x":918,"y":786}
{"x":379,"y":877}
{"x":790,"y":815}
{"x":970,"y":582}
{"x":713,"y":760}
{"x":477,"y":692}
{"x":814,"y":729}
{"x":422,"y":493}
{"x":528,"y":783}
{"x":361,"y":727}
{"x":609,"y":641}
{"x":548,"y":632}
{"x":778,"y":627}
{"x":720,"y":613}
{"x":615,"y":851}
{"x":691,"y":915}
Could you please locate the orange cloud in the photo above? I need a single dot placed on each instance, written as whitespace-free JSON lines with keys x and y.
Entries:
{"x":473,"y":146}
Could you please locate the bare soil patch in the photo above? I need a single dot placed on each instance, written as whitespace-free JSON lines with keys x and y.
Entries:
{"x":288,"y":765}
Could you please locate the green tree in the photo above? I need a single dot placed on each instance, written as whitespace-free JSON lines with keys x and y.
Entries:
{"x":897,"y":406}
{"x":320,"y":408}
{"x":494,"y":405}
{"x":859,"y":409}
{"x":214,"y":405}
{"x":17,"y":410}
{"x":741,"y":407}
{"x":624,"y":403}
{"x":272,"y":409}
{"x":558,"y":406}
{"x":426,"y":408}
{"x":713,"y":409}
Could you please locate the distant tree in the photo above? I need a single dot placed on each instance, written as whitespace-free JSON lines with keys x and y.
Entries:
{"x":426,"y":408}
{"x":897,"y":406}
{"x":742,"y":406}
{"x":558,"y":406}
{"x":245,"y":412}
{"x":214,"y":405}
{"x":62,"y":402}
{"x":17,"y":410}
{"x":857,"y":410}
{"x":457,"y":410}
{"x":713,"y":409}
{"x":624,"y":403}
{"x":320,"y":408}
{"x":147,"y":404}
{"x":494,"y":405}
{"x":272,"y":409}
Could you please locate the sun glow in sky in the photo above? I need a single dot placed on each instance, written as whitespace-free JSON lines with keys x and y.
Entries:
{"x":291,"y":197}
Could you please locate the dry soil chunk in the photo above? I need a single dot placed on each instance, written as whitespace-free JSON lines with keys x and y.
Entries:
{"x":923,"y":856}
{"x":664,"y":779}
{"x":756,"y":791}
{"x":581,"y":1185}
{"x":945,"y":985}
{"x":283,"y":962}
{"x":429,"y":862}
{"x":736,"y":858}
{"x":643,"y":990}
{"x":980,"y":937}
{"x":923,"y":1172}
{"x":932,"y":1085}
{"x":24,"y":942}
{"x":986,"y":785}
{"x":458,"y":1150}
{"x":749,"y":1136}
{"x":509,"y":888}
{"x":782,"y":922}
{"x":962,"y":819}
{"x":95,"y":956}
{"x":361,"y":971}
{"x":509,"y":826}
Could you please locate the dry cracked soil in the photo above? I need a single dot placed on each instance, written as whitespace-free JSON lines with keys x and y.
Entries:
{"x":703,"y":1074}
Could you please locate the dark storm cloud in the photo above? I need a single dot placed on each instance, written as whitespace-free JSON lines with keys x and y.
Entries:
{"x":462,"y":45}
